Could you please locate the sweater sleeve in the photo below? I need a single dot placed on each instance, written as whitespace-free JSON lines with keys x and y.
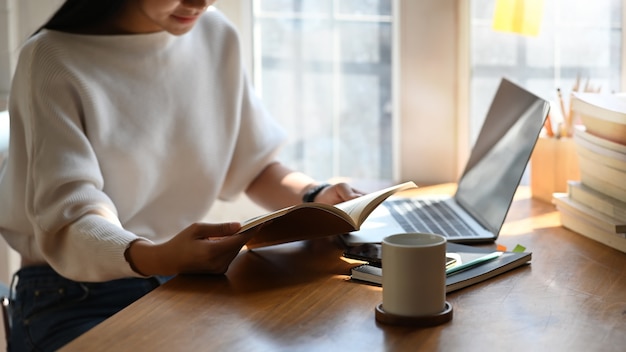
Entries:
{"x":259,"y":135}
{"x":259,"y":141}
{"x":95,"y":244}
{"x":74,"y":222}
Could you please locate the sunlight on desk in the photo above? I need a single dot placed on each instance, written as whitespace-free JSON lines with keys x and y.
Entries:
{"x":524,"y":226}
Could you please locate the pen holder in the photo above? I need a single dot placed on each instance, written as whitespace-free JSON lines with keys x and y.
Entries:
{"x":554,"y":162}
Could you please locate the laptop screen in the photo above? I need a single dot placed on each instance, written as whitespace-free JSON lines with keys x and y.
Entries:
{"x":501,"y":153}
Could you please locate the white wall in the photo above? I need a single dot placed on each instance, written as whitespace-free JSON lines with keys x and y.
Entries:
{"x":6,"y":35}
{"x":426,"y":89}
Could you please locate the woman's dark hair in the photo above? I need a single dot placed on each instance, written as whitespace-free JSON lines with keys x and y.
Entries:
{"x":77,"y":14}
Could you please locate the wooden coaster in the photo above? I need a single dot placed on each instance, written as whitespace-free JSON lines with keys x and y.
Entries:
{"x":422,"y":321}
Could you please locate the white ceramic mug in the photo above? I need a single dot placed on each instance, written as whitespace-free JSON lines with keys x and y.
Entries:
{"x":414,"y":274}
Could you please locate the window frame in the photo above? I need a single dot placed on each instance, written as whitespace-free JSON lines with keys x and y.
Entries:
{"x":413,"y":72}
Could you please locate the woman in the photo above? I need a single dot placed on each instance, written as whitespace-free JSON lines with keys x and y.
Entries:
{"x":129,"y":118}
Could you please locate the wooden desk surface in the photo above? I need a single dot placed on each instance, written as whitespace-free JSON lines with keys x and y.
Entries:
{"x":298,"y":297}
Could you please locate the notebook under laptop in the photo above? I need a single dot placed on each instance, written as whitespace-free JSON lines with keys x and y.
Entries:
{"x":488,"y":183}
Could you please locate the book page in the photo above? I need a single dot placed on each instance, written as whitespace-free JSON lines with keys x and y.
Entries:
{"x":360,"y":208}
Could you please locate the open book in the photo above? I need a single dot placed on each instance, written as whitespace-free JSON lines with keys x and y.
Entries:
{"x":311,"y":220}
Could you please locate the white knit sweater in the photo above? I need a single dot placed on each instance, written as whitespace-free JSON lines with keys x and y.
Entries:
{"x":119,"y":137}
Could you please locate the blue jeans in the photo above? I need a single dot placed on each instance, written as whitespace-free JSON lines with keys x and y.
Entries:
{"x":48,"y":310}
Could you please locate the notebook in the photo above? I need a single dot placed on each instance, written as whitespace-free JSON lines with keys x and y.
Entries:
{"x":476,"y":212}
{"x":454,"y":281}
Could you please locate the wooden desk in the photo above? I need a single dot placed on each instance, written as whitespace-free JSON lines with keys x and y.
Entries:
{"x":298,"y":297}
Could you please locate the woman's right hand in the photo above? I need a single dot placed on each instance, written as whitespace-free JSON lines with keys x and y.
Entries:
{"x":199,"y":248}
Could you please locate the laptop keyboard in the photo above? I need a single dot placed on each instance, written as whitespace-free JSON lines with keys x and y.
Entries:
{"x":428,"y":216}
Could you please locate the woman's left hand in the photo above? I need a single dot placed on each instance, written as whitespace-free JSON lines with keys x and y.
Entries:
{"x":337,"y":193}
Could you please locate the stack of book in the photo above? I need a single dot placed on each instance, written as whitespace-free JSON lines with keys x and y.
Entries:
{"x":595,"y":206}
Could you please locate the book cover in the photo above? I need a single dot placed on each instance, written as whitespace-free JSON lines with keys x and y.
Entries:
{"x":601,"y":202}
{"x":603,"y":172}
{"x":461,"y":279}
{"x":604,"y":115}
{"x":598,"y":219}
{"x":599,"y":154}
{"x":573,"y":222}
{"x":593,"y":180}
{"x":581,"y":134}
{"x":312,"y":220}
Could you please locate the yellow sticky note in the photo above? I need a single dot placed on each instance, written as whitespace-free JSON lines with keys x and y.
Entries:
{"x":518,"y":16}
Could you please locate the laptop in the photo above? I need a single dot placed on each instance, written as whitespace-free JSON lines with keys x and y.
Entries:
{"x":476,"y":212}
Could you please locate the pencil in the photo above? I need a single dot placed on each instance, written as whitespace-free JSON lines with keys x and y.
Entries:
{"x":571,"y":95}
{"x":577,"y":83}
{"x":566,"y":117}
{"x":548,"y":125}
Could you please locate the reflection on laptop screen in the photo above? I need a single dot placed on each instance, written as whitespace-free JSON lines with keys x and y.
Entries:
{"x":514,"y":119}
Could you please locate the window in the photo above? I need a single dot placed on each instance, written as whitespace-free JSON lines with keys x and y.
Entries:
{"x":323,"y":68}
{"x":577,"y":39}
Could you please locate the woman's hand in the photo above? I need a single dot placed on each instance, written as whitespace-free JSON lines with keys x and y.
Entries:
{"x":199,"y":248}
{"x":337,"y":193}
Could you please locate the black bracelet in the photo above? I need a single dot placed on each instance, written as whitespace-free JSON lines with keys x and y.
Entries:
{"x":309,"y":196}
